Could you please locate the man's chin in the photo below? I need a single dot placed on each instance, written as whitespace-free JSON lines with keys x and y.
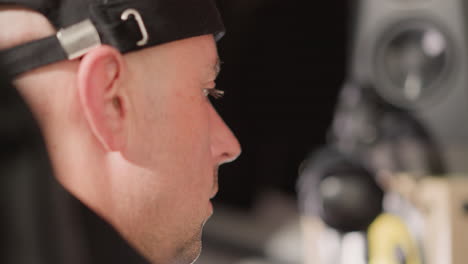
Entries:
{"x":171,"y":250}
{"x":185,"y":255}
{"x":197,"y":255}
{"x":190,"y":253}
{"x":187,"y":252}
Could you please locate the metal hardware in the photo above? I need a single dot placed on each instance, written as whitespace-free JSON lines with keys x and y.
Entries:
{"x":144,"y":33}
{"x":78,"y":39}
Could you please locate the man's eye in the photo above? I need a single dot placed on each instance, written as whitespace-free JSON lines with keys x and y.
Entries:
{"x":215,"y":93}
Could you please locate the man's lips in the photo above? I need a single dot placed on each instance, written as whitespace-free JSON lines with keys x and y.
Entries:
{"x":214,"y":188}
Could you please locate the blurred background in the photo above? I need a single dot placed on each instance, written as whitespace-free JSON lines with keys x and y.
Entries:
{"x":352,"y":116}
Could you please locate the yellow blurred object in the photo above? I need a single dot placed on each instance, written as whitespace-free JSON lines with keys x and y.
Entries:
{"x":388,"y":235}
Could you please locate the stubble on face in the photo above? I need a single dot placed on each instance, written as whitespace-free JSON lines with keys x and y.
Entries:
{"x":184,"y":252}
{"x":191,"y":250}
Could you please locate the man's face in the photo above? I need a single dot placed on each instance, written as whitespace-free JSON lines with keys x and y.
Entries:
{"x":175,"y":143}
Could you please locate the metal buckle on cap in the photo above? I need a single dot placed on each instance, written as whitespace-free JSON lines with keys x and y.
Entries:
{"x":78,"y":39}
{"x":141,"y":24}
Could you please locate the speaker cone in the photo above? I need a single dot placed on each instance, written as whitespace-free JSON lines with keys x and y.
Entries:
{"x":413,"y":61}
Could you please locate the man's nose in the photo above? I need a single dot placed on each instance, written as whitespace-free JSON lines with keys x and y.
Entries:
{"x":224,"y":145}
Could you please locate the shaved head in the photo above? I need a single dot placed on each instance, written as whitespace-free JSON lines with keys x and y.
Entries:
{"x":23,"y":26}
{"x":133,"y":136}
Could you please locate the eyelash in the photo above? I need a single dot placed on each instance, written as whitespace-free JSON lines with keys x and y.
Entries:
{"x":215,"y":93}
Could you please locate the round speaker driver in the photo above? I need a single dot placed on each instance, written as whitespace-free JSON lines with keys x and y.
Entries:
{"x":413,"y":61}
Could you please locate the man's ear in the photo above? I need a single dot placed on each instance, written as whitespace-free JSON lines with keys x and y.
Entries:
{"x":101,"y":95}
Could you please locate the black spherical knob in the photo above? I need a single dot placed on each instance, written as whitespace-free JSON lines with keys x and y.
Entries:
{"x":339,"y":190}
{"x":350,"y":200}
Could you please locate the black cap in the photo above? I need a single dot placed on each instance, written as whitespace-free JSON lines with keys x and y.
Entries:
{"x":127,"y":25}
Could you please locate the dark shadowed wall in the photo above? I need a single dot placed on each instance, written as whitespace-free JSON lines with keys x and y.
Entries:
{"x":284,"y":65}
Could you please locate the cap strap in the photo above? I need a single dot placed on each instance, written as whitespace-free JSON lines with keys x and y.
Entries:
{"x":68,"y":44}
{"x":31,"y":55}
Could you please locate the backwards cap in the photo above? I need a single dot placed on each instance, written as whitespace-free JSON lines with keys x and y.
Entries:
{"x":127,"y":25}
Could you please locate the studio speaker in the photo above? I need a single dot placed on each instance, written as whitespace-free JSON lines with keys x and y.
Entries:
{"x":414,"y":53}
